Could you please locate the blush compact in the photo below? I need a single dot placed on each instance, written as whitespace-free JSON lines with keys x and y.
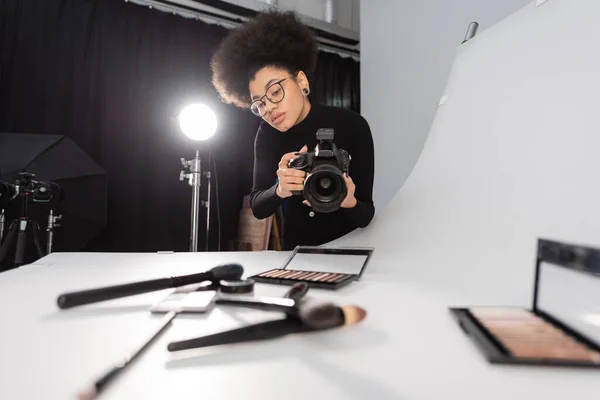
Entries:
{"x":319,"y":267}
{"x":562,"y":327}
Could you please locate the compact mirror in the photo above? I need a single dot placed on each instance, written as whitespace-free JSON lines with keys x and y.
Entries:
{"x":568,"y":290}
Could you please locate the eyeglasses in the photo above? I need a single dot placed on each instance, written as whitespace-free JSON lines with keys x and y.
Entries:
{"x":274,"y":94}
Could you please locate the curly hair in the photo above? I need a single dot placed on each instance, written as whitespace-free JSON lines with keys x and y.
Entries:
{"x":273,"y":38}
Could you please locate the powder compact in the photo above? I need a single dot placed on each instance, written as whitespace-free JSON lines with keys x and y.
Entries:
{"x":562,"y":328}
{"x":320,"y":267}
{"x":242,"y":286}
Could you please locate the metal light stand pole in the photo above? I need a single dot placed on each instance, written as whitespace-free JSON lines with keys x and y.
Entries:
{"x":52,"y":224}
{"x":194,"y":179}
{"x":2,"y":220}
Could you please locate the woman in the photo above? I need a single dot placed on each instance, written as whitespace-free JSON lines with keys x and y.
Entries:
{"x":263,"y":65}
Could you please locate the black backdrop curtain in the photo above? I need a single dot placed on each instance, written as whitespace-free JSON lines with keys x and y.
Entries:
{"x":112,"y":76}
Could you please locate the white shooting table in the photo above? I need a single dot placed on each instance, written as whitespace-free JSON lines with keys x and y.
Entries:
{"x":512,"y":156}
{"x":408,"y":347}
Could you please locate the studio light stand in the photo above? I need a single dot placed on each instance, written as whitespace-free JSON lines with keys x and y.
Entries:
{"x":52,"y":224}
{"x":2,"y":220}
{"x":25,"y":227}
{"x":195,"y":180}
{"x":22,"y":228}
{"x":198,"y":122}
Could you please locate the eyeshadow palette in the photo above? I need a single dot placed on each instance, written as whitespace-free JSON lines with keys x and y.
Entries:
{"x":519,"y":336}
{"x":556,"y":331}
{"x":319,"y":267}
{"x":314,"y":279}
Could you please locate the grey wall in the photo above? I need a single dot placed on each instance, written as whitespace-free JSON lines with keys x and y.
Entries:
{"x":407,"y":50}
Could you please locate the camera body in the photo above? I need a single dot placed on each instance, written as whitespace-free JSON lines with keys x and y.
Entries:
{"x":26,"y":185}
{"x":324,"y":187}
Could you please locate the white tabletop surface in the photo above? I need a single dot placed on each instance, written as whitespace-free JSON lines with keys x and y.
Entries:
{"x":461,"y":231}
{"x":408,"y":347}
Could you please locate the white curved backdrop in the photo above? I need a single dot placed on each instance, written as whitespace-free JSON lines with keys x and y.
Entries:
{"x":513,"y":154}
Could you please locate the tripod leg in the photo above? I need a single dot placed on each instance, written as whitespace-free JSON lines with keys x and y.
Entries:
{"x":21,"y":242}
{"x":36,"y":238}
{"x":8,"y":240}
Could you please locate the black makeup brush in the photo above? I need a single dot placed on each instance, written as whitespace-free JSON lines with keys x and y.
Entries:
{"x":284,"y":305}
{"x":324,"y":315}
{"x":310,"y":317}
{"x":287,"y":304}
{"x":94,"y":390}
{"x":297,"y":291}
{"x":73,"y":299}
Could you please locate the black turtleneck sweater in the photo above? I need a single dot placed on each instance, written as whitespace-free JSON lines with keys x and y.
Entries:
{"x":303,"y":225}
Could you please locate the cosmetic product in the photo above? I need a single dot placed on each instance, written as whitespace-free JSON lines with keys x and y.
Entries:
{"x":309,"y":317}
{"x":562,"y":327}
{"x":96,"y":388}
{"x":241,"y":286}
{"x":297,"y":291}
{"x":319,"y":267}
{"x":73,"y":299}
{"x":284,"y":305}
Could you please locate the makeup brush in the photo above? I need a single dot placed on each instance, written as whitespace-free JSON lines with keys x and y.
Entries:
{"x":280,"y":304}
{"x":96,"y":388}
{"x":287,"y":304}
{"x":269,"y":329}
{"x":325,"y":315}
{"x":317,"y":311}
{"x":221,"y":272}
{"x":297,"y":291}
{"x":311,"y":317}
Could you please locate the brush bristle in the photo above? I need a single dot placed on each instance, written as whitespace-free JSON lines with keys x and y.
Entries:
{"x":321,"y":315}
{"x":233,"y":271}
{"x":353,"y":314}
{"x":87,"y":394}
{"x":329,"y":315}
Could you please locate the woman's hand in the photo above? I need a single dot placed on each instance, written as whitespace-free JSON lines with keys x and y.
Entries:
{"x":290,"y":179}
{"x":350,"y":201}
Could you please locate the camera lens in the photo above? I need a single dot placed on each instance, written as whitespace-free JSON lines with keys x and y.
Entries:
{"x":42,"y":194}
{"x":326,"y":187}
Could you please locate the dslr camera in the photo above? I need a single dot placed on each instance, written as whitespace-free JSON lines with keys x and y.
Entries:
{"x":324,"y":186}
{"x":26,"y":185}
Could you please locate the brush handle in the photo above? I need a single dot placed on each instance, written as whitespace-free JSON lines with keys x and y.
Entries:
{"x":73,"y":299}
{"x":297,"y":291}
{"x":252,"y":333}
{"x":287,"y":306}
{"x":100,"y":384}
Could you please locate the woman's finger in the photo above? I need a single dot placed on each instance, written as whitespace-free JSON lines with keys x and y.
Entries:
{"x":293,"y":187}
{"x":286,"y":159}
{"x":293,"y":180}
{"x":290,"y":178}
{"x":292,"y":172}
